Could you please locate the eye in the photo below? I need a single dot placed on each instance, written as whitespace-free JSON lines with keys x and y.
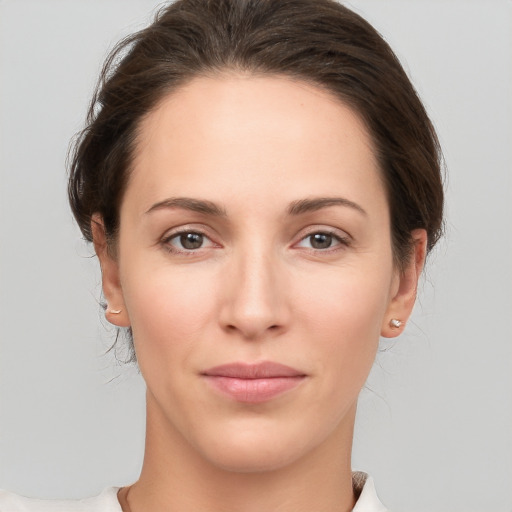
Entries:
{"x":322,"y":240}
{"x":186,"y":241}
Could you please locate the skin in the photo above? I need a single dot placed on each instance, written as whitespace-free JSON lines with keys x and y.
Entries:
{"x":259,"y":288}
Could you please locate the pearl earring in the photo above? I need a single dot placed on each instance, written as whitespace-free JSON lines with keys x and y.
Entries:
{"x":395,"y":323}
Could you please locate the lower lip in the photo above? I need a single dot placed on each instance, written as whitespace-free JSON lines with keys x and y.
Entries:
{"x":253,"y":391}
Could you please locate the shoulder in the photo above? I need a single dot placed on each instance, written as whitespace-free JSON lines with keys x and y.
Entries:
{"x":105,"y":502}
{"x":364,"y":490}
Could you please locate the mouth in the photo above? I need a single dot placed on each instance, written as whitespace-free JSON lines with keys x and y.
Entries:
{"x":253,"y":383}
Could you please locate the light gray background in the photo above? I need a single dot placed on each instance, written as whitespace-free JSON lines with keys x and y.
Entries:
{"x":434,"y":427}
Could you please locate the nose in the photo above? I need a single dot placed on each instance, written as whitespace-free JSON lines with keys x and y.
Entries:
{"x":254,"y":301}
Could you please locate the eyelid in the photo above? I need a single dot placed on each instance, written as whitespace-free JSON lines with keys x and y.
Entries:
{"x":173,"y":233}
{"x":342,"y":237}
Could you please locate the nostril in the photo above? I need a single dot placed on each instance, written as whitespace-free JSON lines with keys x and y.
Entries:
{"x":234,"y":328}
{"x":252,"y":333}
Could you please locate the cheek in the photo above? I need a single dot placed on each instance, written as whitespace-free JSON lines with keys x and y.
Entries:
{"x":168,"y":307}
{"x":351,"y":303}
{"x":343,"y":312}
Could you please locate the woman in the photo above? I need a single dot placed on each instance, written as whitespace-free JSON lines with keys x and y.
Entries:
{"x":261,"y":185}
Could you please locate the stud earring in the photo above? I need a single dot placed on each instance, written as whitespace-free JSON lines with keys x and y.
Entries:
{"x":395,"y":323}
{"x":114,"y":311}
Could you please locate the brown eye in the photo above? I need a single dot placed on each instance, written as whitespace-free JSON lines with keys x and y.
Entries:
{"x":191,"y":240}
{"x":187,"y":242}
{"x":321,"y":240}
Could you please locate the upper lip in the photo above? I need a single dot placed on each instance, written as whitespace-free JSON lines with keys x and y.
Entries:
{"x":262,"y":370}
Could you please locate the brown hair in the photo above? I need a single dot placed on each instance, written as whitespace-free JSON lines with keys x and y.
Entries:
{"x":317,"y":41}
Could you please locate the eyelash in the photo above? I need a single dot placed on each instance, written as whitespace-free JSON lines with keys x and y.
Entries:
{"x":188,"y":252}
{"x":342,"y":241}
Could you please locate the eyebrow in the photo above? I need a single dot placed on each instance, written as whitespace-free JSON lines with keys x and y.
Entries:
{"x":317,"y":203}
{"x":294,"y":208}
{"x":188,"y":203}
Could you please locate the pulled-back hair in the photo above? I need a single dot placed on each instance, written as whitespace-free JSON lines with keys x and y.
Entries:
{"x":320,"y":42}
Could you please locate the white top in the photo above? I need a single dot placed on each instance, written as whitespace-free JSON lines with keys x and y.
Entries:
{"x":107,"y":501}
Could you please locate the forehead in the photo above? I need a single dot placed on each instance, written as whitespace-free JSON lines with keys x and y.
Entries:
{"x":232,"y":106}
{"x":215,"y":132}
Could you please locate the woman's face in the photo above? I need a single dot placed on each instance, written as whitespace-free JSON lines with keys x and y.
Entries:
{"x":254,"y":229}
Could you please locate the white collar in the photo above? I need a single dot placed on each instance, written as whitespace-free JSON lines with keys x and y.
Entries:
{"x":364,"y":489}
{"x":362,"y":483}
{"x":107,"y":501}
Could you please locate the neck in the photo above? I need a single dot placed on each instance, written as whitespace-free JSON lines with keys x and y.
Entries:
{"x":176,"y":477}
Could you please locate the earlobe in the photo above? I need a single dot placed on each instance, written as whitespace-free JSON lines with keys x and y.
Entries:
{"x":402,"y":302}
{"x":115,"y":312}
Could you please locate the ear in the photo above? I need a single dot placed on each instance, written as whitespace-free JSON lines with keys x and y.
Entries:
{"x":405,"y":288}
{"x":116,"y":312}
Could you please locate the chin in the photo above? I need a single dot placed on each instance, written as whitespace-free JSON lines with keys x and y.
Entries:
{"x":261,"y":446}
{"x":257,"y":457}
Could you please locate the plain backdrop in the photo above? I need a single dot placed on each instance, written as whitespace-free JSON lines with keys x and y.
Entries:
{"x":434,"y":425}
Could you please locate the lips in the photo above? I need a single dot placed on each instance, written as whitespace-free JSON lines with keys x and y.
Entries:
{"x":253,"y":383}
